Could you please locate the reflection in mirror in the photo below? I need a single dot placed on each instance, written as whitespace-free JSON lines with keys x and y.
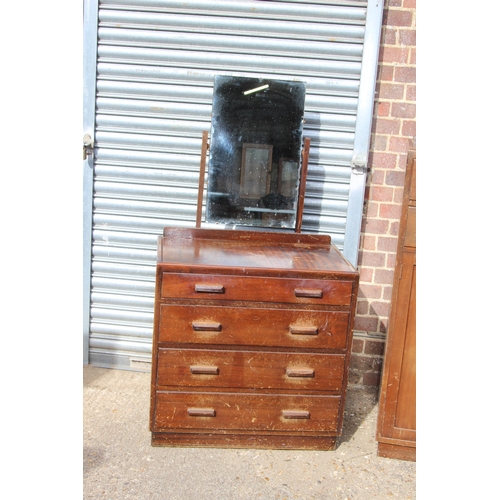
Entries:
{"x":255,"y":170}
{"x":287,"y":176}
{"x":255,"y":152}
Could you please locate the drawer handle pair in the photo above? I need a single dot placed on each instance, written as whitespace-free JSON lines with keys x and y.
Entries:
{"x":300,"y":372}
{"x":201,"y":412}
{"x":214,"y":370}
{"x":210,"y":412}
{"x":214,"y":326}
{"x":204,"y":370}
{"x":310,"y":293}
{"x":202,"y":288}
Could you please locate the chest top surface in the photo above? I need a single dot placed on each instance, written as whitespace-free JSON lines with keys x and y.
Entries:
{"x":251,"y":251}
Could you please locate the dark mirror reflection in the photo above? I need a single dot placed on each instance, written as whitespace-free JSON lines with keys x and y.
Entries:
{"x":255,"y":152}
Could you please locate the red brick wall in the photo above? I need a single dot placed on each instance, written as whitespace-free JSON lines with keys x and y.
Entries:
{"x":394,"y":124}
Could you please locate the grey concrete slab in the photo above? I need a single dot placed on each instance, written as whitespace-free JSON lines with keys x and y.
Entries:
{"x":120,"y":463}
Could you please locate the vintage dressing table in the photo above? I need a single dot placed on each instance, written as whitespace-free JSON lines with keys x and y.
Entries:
{"x":252,"y":328}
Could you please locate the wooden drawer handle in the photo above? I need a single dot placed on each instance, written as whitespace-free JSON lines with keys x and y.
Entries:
{"x":204,"y":370}
{"x":206,"y":326}
{"x":201,"y":412}
{"x":300,"y":372}
{"x":303,"y":330}
{"x":201,"y":288}
{"x":311,"y":293}
{"x":295,"y":414}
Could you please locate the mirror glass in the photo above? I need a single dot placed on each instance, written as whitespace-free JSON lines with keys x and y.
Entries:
{"x":255,"y":152}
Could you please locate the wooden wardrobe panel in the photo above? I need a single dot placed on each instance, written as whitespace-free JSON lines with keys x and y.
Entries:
{"x":396,"y":431}
{"x":405,"y":415}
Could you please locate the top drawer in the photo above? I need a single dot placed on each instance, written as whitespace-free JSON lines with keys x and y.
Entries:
{"x":255,"y":289}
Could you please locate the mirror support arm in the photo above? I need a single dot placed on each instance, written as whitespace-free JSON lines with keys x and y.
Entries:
{"x":302,"y":186}
{"x":201,"y":183}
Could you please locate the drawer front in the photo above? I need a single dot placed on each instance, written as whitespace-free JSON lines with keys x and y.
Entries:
{"x":250,"y":370}
{"x":253,"y":326}
{"x":247,"y":412}
{"x":255,"y":289}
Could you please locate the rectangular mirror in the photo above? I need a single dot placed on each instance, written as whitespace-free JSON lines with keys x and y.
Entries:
{"x":255,"y":152}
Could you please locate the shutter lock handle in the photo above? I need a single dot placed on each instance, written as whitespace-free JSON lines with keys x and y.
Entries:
{"x":88,"y":146}
{"x":359,"y":164}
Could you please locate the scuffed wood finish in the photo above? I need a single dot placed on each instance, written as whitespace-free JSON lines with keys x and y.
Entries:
{"x":219,"y":412}
{"x":396,"y":431}
{"x":252,"y":338}
{"x":266,"y":327}
{"x":243,"y":440}
{"x":400,"y":452}
{"x":247,"y":253}
{"x":221,"y":287}
{"x":262,"y":370}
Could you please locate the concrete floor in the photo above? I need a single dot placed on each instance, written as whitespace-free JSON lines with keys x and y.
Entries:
{"x":120,"y":464}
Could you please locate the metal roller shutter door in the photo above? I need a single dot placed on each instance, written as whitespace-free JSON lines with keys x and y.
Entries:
{"x":156,"y":62}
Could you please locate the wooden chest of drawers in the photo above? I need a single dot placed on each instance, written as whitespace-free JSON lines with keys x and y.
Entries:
{"x":252,"y":339}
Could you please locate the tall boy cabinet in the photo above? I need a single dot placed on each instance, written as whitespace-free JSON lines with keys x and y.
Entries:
{"x":396,"y":433}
